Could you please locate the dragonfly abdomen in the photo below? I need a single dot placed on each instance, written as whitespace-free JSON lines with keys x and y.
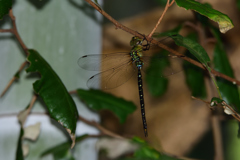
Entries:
{"x":140,"y":89}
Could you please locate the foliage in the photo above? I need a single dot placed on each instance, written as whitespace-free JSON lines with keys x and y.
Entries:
{"x":98,"y":100}
{"x":60,"y":104}
{"x":5,"y":6}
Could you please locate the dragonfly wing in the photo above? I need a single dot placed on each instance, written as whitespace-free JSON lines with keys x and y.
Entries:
{"x":102,"y":62}
{"x":161,"y":65}
{"x":113,"y":77}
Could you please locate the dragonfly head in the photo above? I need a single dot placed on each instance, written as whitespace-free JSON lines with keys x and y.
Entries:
{"x":136,"y":41}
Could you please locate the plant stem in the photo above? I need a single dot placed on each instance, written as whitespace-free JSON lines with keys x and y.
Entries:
{"x":13,"y":79}
{"x":15,"y":32}
{"x":101,"y":128}
{"x":218,"y":144}
{"x":160,"y":19}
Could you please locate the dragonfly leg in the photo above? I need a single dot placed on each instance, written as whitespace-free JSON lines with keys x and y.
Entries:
{"x":146,"y":46}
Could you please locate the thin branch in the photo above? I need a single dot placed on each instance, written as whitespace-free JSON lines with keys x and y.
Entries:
{"x":161,"y":45}
{"x":102,"y":129}
{"x":13,"y":79}
{"x":15,"y":114}
{"x":201,"y":100}
{"x":95,"y":124}
{"x":32,"y":102}
{"x":225,"y":106}
{"x":72,"y":92}
{"x":8,"y":86}
{"x":171,"y":3}
{"x":6,"y":30}
{"x":22,"y":116}
{"x":160,"y":19}
{"x":15,"y":32}
{"x":115,"y":22}
{"x":235,"y":114}
{"x":92,"y":123}
{"x":218,"y":144}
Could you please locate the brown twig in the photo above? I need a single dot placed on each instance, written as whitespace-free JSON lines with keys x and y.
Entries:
{"x":216,"y":133}
{"x":201,"y":100}
{"x":102,"y":129}
{"x":225,"y":106}
{"x":15,"y":32}
{"x":8,"y":86}
{"x":72,"y":92}
{"x":160,"y":19}
{"x":22,"y":116}
{"x":92,"y":123}
{"x":115,"y":22}
{"x":32,"y":102}
{"x":6,"y":30}
{"x":15,"y":114}
{"x":95,"y":124}
{"x":218,"y":144}
{"x":13,"y":79}
{"x":235,"y":114}
{"x":161,"y":45}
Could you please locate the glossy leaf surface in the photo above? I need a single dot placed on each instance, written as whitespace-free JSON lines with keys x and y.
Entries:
{"x":157,"y":86}
{"x":5,"y":6}
{"x":50,"y":88}
{"x":194,"y":74}
{"x":223,"y":20}
{"x":99,"y":100}
{"x":229,"y":91}
{"x":62,"y":151}
{"x":146,"y":152}
{"x":193,"y":47}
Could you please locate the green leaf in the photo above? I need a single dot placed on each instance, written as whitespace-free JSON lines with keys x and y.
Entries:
{"x":195,"y":80}
{"x":223,"y":20}
{"x":50,"y":88}
{"x":98,"y":100}
{"x":215,"y":101}
{"x":204,"y":20}
{"x":229,"y":91}
{"x":146,"y":152}
{"x":198,"y":51}
{"x":193,"y":47}
{"x":238,"y":4}
{"x":157,"y":86}
{"x":19,"y":153}
{"x":194,"y":75}
{"x":5,"y":6}
{"x":63,"y":150}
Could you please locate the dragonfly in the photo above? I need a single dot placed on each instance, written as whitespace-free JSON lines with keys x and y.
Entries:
{"x":118,"y":68}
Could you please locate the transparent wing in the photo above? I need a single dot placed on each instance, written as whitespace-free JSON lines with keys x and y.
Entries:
{"x":113,"y":77}
{"x":102,"y":62}
{"x":161,"y":65}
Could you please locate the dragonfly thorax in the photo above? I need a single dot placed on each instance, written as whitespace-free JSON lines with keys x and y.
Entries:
{"x":137,"y":58}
